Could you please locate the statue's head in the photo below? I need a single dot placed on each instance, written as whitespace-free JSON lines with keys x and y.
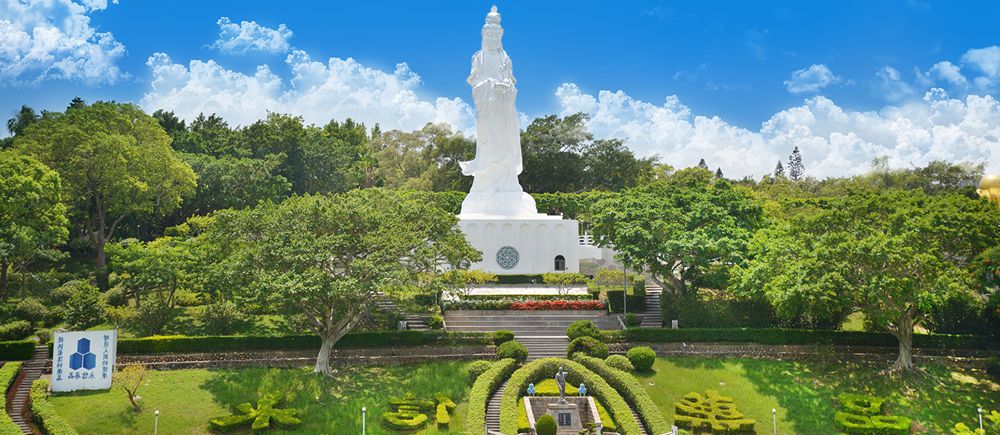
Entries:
{"x":492,"y":32}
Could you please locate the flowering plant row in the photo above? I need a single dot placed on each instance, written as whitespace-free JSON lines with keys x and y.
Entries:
{"x":557,"y":305}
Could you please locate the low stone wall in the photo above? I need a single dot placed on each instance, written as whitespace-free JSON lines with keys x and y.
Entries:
{"x":338,"y":357}
{"x":875,"y":354}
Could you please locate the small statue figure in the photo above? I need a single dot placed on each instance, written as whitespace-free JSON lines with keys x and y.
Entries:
{"x":582,"y":390}
{"x":531,"y":389}
{"x":561,"y":381}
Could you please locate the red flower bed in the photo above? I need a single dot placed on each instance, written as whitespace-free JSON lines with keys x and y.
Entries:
{"x":557,"y":305}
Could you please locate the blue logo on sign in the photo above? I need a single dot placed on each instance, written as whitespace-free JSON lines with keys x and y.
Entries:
{"x":83,"y":358}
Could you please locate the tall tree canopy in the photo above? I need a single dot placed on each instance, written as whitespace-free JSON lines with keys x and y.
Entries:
{"x":32,"y":217}
{"x":892,"y":255}
{"x":325,"y":258}
{"x":114,"y":161}
{"x":676,"y":227}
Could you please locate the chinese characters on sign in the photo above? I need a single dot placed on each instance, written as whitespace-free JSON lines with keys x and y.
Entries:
{"x":83,"y":360}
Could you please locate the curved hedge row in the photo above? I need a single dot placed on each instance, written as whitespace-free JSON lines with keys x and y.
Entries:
{"x":484,"y":387}
{"x":792,"y":336}
{"x":224,"y":343}
{"x":630,"y":389}
{"x":46,"y":417}
{"x":7,"y":375}
{"x":16,"y":350}
{"x":575,"y":374}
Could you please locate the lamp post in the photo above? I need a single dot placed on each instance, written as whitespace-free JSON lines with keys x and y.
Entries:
{"x":156,"y":421}
{"x":624,"y":289}
{"x":364,"y":411}
{"x":980,"y":411}
{"x":774,"y":420}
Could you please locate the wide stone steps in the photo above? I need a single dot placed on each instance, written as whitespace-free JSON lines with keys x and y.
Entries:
{"x":493,"y":410}
{"x":31,"y":370}
{"x":553,"y":346}
{"x":635,"y":415}
{"x":525,"y":323}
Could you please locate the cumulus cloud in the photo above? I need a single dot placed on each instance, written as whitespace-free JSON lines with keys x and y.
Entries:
{"x":318,"y":91}
{"x":834,"y":141}
{"x":248,"y":36}
{"x":44,"y":40}
{"x":811,"y":79}
{"x":986,"y":60}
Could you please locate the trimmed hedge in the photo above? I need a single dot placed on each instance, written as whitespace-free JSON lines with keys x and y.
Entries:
{"x":631,"y":390}
{"x":641,"y":357}
{"x":583,"y":328}
{"x":619,"y":362}
{"x":589,"y":346}
{"x":223,"y":343}
{"x":7,"y":375}
{"x":45,"y":415}
{"x":792,"y":336}
{"x":16,"y":350}
{"x":546,"y":425}
{"x":15,"y":330}
{"x":512,"y":349}
{"x":861,"y":404}
{"x":486,"y":384}
{"x":713,"y":413}
{"x":502,"y":336}
{"x":477,"y":368}
{"x":576,"y":373}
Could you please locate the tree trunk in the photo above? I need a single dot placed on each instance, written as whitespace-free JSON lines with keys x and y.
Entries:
{"x":3,"y":279}
{"x":904,"y":333}
{"x":323,"y":359}
{"x":101,"y":262}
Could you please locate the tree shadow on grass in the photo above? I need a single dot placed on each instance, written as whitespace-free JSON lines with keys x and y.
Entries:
{"x":807,"y":407}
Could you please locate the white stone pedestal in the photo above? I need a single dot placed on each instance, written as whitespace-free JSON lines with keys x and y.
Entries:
{"x":524,"y":244}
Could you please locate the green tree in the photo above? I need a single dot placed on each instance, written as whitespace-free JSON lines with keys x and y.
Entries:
{"x":551,"y":153}
{"x":232,"y":182}
{"x":893,"y":255}
{"x":331,"y":157}
{"x":32,"y":218}
{"x":280,"y":135}
{"x":170,"y":122}
{"x":676,"y":228}
{"x":325,"y":258}
{"x":206,"y":135}
{"x":114,"y":161}
{"x":779,"y":170}
{"x":156,"y":269}
{"x":610,"y":165}
{"x":796,"y":170}
{"x":425,"y":159}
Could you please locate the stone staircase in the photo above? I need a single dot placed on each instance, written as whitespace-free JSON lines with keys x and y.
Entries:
{"x":525,"y":323}
{"x":544,"y":346}
{"x":493,"y":410}
{"x":653,"y":316}
{"x":31,"y":370}
{"x":414,"y":322}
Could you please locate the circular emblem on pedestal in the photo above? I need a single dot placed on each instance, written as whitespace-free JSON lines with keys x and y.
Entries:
{"x":507,"y":257}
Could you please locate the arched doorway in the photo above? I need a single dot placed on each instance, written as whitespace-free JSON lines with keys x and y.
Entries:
{"x":560,"y":263}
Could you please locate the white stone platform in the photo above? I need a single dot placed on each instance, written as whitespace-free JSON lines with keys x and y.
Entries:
{"x":520,"y":290}
{"x":532,"y":242}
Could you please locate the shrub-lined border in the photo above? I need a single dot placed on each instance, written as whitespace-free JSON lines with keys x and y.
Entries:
{"x":576,"y":373}
{"x":792,"y":336}
{"x":630,"y":389}
{"x":8,"y":373}
{"x":45,"y":415}
{"x":231,"y":343}
{"x":16,"y":350}
{"x":479,"y":396}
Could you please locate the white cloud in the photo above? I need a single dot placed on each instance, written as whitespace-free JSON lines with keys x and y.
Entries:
{"x":53,"y":39}
{"x":337,"y":89}
{"x":811,"y":79}
{"x":892,"y":85}
{"x":986,"y":60}
{"x":248,"y":36}
{"x":834,"y":141}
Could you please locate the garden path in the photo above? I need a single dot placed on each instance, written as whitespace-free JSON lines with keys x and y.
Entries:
{"x":18,"y":399}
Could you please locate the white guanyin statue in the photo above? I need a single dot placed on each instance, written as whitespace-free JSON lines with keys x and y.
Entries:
{"x":495,"y":188}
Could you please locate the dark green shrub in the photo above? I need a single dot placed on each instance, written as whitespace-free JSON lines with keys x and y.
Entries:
{"x":641,"y":357}
{"x":31,"y":310}
{"x":632,"y":320}
{"x":477,"y":368}
{"x":486,"y":384}
{"x":44,"y":336}
{"x":514,"y":350}
{"x":16,"y":350}
{"x":44,"y":414}
{"x":55,"y":316}
{"x":61,"y":294}
{"x":152,"y":316}
{"x":631,"y":390}
{"x":116,"y":296}
{"x":589,"y":346}
{"x":187,"y":299}
{"x":861,"y":404}
{"x":85,"y":308}
{"x":546,"y":425}
{"x":7,"y":375}
{"x":712,"y":413}
{"x":695,"y":312}
{"x":619,"y":362}
{"x":224,"y":318}
{"x":583,"y":328}
{"x":502,"y":336}
{"x":15,"y":330}
{"x":436,"y":322}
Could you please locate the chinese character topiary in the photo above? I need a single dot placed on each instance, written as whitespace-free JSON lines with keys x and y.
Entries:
{"x":862,"y":415}
{"x":713,"y":412}
{"x":260,"y":416}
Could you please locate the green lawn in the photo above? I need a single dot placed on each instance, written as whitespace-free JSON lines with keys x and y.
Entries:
{"x":804,"y":394}
{"x":188,"y":398}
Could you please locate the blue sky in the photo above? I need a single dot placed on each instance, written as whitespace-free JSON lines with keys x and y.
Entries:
{"x":737,"y":83}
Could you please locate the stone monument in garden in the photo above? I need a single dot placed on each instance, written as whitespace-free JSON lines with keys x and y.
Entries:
{"x":498,"y":217}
